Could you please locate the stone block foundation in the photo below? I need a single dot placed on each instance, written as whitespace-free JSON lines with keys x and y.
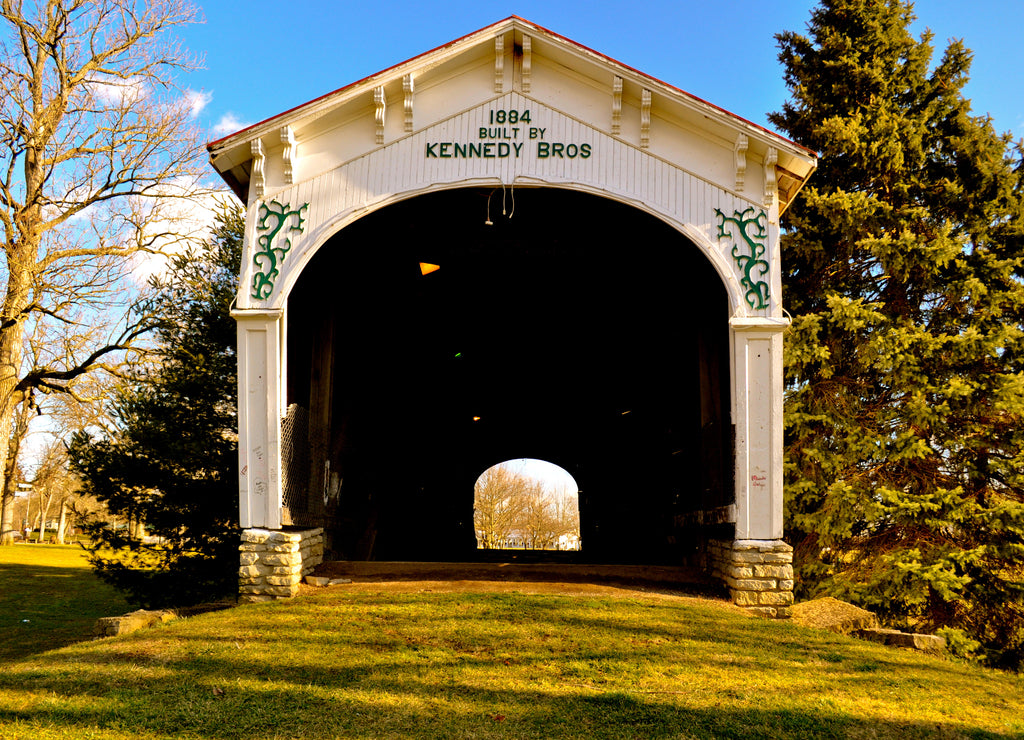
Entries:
{"x":272,"y":562}
{"x":758,"y":573}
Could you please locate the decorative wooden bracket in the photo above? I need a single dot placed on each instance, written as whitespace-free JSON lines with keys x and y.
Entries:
{"x":645,"y":119}
{"x":741,"y":160}
{"x":272,"y":219}
{"x":751,"y":228}
{"x":288,"y":142}
{"x":259,"y":159}
{"x":407,"y":88}
{"x":499,"y":64}
{"x":380,"y":103}
{"x":616,"y":106}
{"x":771,"y":184}
{"x":527,"y":63}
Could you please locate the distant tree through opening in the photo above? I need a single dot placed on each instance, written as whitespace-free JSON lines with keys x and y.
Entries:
{"x":526,"y":504}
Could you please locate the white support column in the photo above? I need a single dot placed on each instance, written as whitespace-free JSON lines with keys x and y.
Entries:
{"x":259,"y":424}
{"x":757,"y":352}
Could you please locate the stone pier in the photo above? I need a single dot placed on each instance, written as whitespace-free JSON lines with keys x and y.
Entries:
{"x":759,"y":574}
{"x":273,"y":562}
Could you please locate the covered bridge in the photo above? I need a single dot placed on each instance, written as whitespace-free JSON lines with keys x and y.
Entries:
{"x":511,"y":246}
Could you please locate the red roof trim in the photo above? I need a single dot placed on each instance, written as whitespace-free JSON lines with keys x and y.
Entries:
{"x":565,"y":39}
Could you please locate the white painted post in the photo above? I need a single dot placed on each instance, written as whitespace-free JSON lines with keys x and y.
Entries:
{"x":259,"y":425}
{"x":758,"y":393}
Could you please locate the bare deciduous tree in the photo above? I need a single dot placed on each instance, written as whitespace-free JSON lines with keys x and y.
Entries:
{"x":565,"y":519}
{"x":499,"y":500}
{"x":512,"y":509}
{"x":53,"y":483}
{"x":96,"y":144}
{"x":550,"y":521}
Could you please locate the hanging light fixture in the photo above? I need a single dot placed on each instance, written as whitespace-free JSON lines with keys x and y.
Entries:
{"x":487,"y":221}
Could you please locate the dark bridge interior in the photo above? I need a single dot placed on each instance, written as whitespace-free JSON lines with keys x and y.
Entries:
{"x":572,"y":329}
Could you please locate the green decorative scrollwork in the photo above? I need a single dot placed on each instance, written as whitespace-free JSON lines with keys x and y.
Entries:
{"x":268,"y":258}
{"x":753,"y":230}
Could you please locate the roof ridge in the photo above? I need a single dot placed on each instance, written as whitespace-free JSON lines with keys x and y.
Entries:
{"x":510,"y":20}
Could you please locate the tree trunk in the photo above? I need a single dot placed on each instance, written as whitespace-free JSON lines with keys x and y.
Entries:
{"x":8,"y":487}
{"x":62,"y":525}
{"x":12,"y":424}
{"x":6,"y":517}
{"x":40,"y":522}
{"x":20,"y":264}
{"x":44,"y":510}
{"x":7,"y":479}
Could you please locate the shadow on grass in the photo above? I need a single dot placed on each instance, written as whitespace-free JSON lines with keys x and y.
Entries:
{"x":461,"y":666}
{"x":43,"y":607}
{"x":394,"y":703}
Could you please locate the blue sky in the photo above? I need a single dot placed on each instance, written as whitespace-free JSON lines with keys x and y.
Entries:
{"x":262,"y":57}
{"x":556,"y":480}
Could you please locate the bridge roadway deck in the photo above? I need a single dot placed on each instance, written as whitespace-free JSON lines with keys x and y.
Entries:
{"x":659,"y":577}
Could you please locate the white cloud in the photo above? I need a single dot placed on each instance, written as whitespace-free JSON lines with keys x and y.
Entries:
{"x":197,"y":100}
{"x":229,"y":123}
{"x":115,"y":91}
{"x":184,"y":218}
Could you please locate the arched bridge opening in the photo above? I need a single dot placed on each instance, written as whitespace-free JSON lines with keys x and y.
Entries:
{"x":454,"y":330}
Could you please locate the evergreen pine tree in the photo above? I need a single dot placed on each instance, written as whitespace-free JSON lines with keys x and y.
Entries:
{"x":903,"y":274}
{"x":171,"y":464}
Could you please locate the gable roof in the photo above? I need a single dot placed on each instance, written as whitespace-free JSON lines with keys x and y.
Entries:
{"x":232,"y":155}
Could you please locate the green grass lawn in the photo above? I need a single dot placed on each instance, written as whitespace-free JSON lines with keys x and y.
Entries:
{"x":49,"y":598}
{"x":423,"y":661}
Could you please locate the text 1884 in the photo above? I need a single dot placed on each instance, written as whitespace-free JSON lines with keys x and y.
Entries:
{"x":510,"y":116}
